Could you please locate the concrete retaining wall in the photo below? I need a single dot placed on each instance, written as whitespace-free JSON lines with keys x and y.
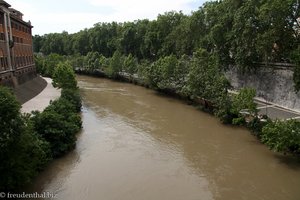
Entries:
{"x":17,"y":76}
{"x":272,"y":84}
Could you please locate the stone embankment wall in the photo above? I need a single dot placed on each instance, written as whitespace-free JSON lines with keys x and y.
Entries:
{"x":273,"y":84}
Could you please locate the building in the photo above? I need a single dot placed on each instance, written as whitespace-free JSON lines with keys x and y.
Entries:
{"x":16,"y":51}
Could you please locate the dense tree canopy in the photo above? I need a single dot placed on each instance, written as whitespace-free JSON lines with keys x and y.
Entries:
{"x":246,"y":31}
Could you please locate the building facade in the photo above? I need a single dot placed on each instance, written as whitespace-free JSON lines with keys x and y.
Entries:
{"x":16,"y":51}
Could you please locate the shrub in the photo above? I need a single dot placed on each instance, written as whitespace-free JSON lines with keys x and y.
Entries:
{"x":23,"y":153}
{"x":282,"y":136}
{"x":58,"y":125}
{"x":73,"y":97}
{"x":64,"y":76}
{"x":244,"y":101}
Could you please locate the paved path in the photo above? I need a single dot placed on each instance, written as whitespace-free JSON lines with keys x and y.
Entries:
{"x":274,"y":111}
{"x":41,"y":101}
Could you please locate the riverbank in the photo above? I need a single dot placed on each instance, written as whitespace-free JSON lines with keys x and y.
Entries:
{"x":30,"y":141}
{"x":276,"y":133}
{"x":272,"y":110}
{"x":139,"y":144}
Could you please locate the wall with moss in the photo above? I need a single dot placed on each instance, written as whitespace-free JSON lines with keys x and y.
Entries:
{"x":274,"y":84}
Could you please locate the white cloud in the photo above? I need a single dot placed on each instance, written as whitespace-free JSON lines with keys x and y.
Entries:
{"x":45,"y":19}
{"x":71,"y":22}
{"x":135,"y":8}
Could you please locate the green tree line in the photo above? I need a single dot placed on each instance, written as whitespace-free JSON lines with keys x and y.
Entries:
{"x":241,"y":33}
{"x":197,"y":78}
{"x":30,"y":141}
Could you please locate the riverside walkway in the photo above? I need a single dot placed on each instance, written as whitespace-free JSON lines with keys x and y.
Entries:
{"x":275,"y":111}
{"x":272,"y":110}
{"x":42,"y":100}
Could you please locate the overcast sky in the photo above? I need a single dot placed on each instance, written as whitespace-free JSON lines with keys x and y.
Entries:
{"x":48,"y":16}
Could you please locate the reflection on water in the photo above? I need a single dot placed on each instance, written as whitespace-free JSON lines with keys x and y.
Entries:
{"x":136,"y":144}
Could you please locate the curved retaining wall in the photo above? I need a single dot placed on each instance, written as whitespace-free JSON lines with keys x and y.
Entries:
{"x":30,"y":89}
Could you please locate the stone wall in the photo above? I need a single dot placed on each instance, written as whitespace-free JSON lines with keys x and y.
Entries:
{"x":272,"y":84}
{"x":17,"y":76}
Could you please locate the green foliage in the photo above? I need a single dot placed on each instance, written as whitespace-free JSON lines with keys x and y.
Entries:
{"x":239,"y":32}
{"x":115,"y":65}
{"x":282,"y":136}
{"x":245,"y":30}
{"x":130,"y":64}
{"x":296,"y":76}
{"x":59,"y":122}
{"x":256,"y":125}
{"x":238,"y":121}
{"x":11,"y":123}
{"x":205,"y":79}
{"x":22,"y":152}
{"x":73,"y":96}
{"x":244,"y":100}
{"x":46,"y":65}
{"x":161,"y":74}
{"x":58,"y":125}
{"x":28,"y":143}
{"x":276,"y":36}
{"x":64,"y":76}
{"x":185,"y":54}
{"x":91,"y":61}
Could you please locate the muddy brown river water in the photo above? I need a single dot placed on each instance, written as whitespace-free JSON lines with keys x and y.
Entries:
{"x":137,"y":144}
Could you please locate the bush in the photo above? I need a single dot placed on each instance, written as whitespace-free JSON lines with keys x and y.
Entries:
{"x":244,"y":101}
{"x":23,"y":153}
{"x":296,"y":76}
{"x":46,"y":65}
{"x":238,"y":121}
{"x":73,"y":97}
{"x":282,"y":136}
{"x":60,"y":121}
{"x":58,"y":125}
{"x":64,"y":76}
{"x":115,"y":65}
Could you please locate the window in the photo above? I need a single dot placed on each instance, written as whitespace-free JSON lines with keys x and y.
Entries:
{"x":1,"y":64}
{"x":2,"y":36}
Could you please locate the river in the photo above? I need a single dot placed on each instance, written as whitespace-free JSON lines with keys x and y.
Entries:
{"x":137,"y":144}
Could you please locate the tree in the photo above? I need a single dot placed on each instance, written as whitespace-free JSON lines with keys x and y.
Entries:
{"x":38,"y":42}
{"x":22,"y":152}
{"x":11,"y":124}
{"x":166,"y":68}
{"x":64,"y":76}
{"x":91,"y":61}
{"x":277,"y":35}
{"x":245,"y":30}
{"x":59,"y":123}
{"x":296,"y":76}
{"x":205,"y":79}
{"x":282,"y":136}
{"x":244,"y":100}
{"x":115,"y":65}
{"x":130,"y":64}
{"x":47,"y":64}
